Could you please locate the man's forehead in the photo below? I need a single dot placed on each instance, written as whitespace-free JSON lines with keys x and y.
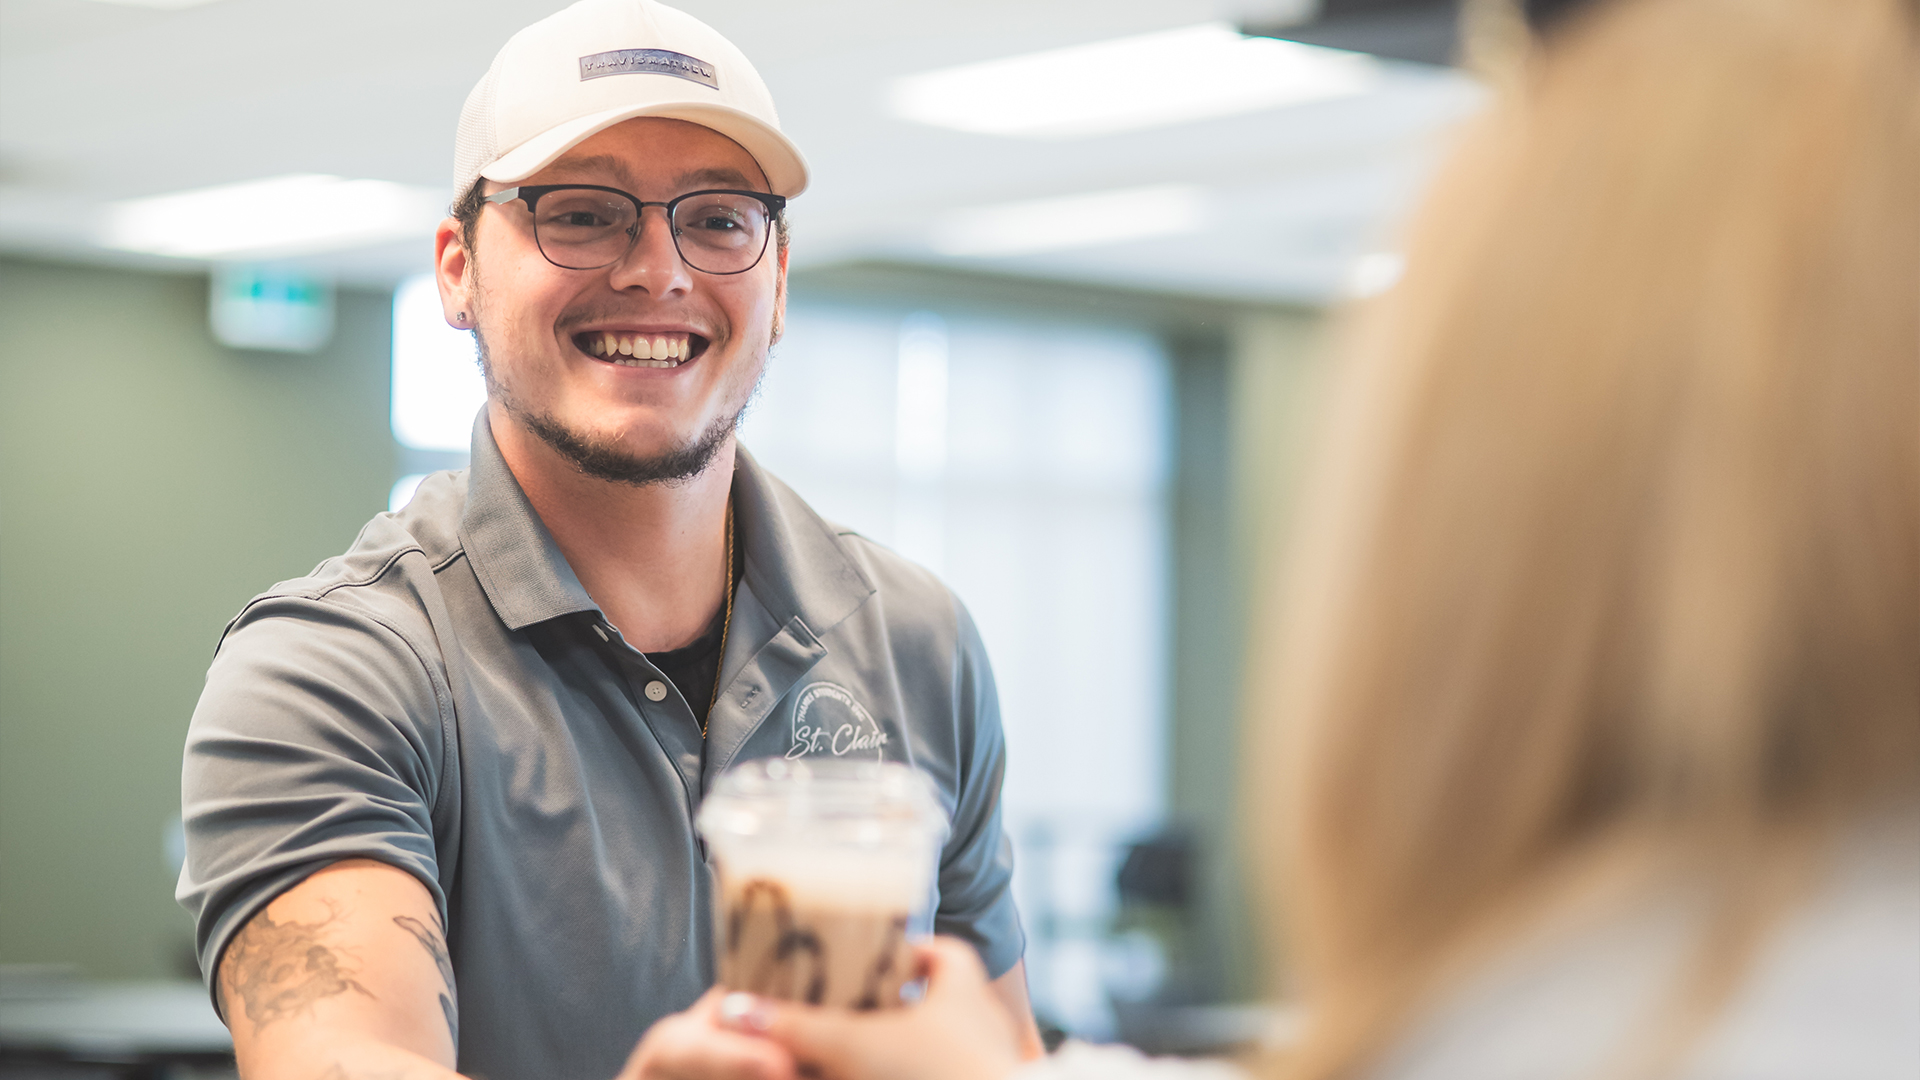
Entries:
{"x":618,"y":168}
{"x":658,"y":150}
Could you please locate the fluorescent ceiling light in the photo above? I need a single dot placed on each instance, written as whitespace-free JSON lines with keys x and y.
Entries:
{"x":284,"y":215}
{"x":1151,"y":80}
{"x":1101,"y":217}
{"x":163,"y":5}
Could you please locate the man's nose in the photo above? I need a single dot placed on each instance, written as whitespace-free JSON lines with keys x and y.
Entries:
{"x":653,"y":263}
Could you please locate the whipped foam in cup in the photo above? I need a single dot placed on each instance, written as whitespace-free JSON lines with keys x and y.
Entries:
{"x":825,"y":878}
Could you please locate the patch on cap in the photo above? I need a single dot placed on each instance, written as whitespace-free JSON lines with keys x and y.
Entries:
{"x":648,"y":62}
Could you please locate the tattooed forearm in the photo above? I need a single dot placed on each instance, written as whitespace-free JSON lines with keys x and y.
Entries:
{"x":279,"y":969}
{"x":434,"y":940}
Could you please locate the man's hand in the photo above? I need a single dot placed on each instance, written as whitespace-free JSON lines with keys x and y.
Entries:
{"x":693,"y":1045}
{"x":344,"y":975}
{"x":960,"y":1031}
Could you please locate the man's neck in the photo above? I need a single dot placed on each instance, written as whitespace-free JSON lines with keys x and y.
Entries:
{"x":652,"y":556}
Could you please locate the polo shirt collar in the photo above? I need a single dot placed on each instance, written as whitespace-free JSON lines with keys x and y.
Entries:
{"x":524,"y":574}
{"x":794,"y":562}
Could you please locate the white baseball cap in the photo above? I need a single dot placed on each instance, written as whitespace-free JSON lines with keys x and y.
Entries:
{"x":598,"y":62}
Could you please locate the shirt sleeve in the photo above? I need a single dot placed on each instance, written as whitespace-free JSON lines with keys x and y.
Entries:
{"x":319,"y":737}
{"x":976,"y":868}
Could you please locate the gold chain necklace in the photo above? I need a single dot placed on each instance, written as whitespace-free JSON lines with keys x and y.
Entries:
{"x":726,"y":623}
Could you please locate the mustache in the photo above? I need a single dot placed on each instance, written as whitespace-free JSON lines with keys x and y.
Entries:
{"x":576,"y":318}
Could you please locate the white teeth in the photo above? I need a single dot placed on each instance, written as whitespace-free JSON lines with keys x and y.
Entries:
{"x":653,"y":352}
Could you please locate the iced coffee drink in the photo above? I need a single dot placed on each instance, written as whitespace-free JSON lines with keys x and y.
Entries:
{"x":824,"y":878}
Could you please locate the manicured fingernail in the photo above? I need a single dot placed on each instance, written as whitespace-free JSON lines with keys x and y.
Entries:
{"x":739,"y":1010}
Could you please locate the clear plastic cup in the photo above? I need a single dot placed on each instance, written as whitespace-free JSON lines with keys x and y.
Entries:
{"x":825,"y":878}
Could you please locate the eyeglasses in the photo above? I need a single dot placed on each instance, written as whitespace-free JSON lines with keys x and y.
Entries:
{"x":586,"y":227}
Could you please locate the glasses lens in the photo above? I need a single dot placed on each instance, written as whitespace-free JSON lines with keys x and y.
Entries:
{"x":720,"y":233}
{"x":581,"y":229}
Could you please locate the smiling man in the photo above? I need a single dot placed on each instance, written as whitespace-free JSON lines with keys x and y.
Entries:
{"x":439,"y":793}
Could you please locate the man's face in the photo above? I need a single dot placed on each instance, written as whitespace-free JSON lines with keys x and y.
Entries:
{"x":544,"y":331}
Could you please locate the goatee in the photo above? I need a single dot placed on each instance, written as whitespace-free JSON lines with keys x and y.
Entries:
{"x":604,"y":459}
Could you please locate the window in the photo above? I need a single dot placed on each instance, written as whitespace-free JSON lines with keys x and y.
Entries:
{"x":437,"y":387}
{"x":1027,"y":464}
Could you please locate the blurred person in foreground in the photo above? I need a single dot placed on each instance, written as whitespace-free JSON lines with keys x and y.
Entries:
{"x":439,"y":793}
{"x":1599,"y":744}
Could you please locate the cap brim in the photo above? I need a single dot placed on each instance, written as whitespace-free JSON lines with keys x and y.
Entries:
{"x":777,"y":157}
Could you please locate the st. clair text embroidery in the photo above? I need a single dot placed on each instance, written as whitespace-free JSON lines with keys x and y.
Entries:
{"x":828,"y":721}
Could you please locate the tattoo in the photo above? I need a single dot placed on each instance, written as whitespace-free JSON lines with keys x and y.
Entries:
{"x":279,"y":969}
{"x":434,"y":940}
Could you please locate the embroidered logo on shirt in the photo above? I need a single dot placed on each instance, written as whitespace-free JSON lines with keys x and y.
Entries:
{"x":648,"y":62}
{"x":827,"y":720}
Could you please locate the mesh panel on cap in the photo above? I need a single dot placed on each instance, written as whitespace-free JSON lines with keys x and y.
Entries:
{"x":474,"y":143}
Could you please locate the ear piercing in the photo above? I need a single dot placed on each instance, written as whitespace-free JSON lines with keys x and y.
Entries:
{"x":462,"y":316}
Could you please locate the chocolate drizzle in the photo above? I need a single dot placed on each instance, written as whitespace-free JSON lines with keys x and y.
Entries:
{"x":771,"y":947}
{"x":789,"y":940}
{"x":883,"y":964}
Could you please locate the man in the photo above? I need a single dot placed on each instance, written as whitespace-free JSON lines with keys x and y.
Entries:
{"x":439,"y":792}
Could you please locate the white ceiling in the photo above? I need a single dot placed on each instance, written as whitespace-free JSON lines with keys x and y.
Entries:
{"x":100,"y":102}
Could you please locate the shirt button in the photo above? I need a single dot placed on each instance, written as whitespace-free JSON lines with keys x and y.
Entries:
{"x":656,"y":691}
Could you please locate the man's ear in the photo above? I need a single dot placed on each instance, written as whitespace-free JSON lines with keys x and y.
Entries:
{"x":453,"y":272}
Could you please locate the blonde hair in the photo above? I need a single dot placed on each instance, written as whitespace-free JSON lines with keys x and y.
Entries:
{"x":1617,"y":557}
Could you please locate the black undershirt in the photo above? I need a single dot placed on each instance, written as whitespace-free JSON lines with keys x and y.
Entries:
{"x":693,"y":668}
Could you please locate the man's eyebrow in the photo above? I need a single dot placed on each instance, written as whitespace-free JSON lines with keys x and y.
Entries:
{"x":733,"y":178}
{"x":598,"y":161}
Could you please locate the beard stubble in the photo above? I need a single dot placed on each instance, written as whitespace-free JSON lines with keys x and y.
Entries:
{"x":603,"y":458}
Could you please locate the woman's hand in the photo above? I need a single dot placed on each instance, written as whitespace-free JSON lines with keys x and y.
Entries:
{"x":959,"y":1031}
{"x":694,"y":1045}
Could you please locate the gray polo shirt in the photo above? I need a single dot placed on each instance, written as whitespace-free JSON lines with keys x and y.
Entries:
{"x":446,"y":698}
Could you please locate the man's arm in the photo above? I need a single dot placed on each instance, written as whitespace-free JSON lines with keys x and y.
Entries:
{"x":1011,"y":989}
{"x":977,"y":877}
{"x":343,"y":976}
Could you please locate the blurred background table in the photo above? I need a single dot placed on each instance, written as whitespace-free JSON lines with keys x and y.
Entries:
{"x":54,"y":1024}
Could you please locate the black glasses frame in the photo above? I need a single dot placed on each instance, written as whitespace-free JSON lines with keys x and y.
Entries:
{"x":532,"y":194}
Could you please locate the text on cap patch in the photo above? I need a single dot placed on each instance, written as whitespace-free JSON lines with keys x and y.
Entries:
{"x":648,"y":62}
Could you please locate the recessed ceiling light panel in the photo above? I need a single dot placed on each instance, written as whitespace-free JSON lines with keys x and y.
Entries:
{"x":1073,"y":221}
{"x":1171,"y":77}
{"x":281,"y":216}
{"x":162,"y":5}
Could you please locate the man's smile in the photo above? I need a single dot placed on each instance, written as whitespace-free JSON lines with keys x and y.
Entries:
{"x":640,"y":348}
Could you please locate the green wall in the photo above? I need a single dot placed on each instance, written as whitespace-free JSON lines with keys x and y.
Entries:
{"x":151,"y":481}
{"x":1247,"y":399}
